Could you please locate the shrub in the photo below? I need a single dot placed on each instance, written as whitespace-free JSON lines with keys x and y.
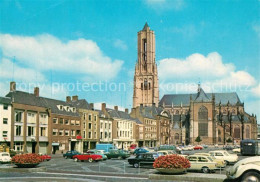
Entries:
{"x":26,"y":159}
{"x":173,"y":161}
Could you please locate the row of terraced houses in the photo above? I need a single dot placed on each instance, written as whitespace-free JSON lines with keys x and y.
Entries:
{"x":31,"y":123}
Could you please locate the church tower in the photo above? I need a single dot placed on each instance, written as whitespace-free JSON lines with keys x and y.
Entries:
{"x":146,"y":89}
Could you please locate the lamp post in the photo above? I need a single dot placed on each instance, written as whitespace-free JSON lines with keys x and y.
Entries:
{"x":229,"y":116}
{"x":181,"y":122}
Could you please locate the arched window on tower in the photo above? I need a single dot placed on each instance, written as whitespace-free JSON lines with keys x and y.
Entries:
{"x":145,"y":84}
{"x":149,"y":86}
{"x":142,"y":87}
{"x":203,"y":121}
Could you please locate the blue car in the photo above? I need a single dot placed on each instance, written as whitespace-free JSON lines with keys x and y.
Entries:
{"x":140,"y":151}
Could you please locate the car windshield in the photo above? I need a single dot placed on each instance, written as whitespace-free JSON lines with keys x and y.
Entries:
{"x":209,"y":158}
{"x":227,"y":154}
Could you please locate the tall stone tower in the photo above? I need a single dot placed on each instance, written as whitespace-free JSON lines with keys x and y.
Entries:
{"x":146,"y":89}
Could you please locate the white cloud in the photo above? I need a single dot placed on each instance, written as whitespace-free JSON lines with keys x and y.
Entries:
{"x":256,"y":90}
{"x":161,"y":5}
{"x":120,"y":44}
{"x":177,"y":75}
{"x":45,"y":52}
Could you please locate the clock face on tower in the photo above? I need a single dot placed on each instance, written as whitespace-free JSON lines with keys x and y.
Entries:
{"x":146,"y":89}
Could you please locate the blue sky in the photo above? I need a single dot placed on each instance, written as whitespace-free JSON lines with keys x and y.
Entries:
{"x":216,"y":42}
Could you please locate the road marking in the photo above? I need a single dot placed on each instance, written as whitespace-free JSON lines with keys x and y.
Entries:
{"x":89,"y":175}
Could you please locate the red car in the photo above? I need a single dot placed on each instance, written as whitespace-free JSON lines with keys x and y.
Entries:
{"x":88,"y":156}
{"x":198,"y":147}
{"x":45,"y":157}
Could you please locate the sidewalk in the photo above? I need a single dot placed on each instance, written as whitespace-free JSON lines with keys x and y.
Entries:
{"x":196,"y":177}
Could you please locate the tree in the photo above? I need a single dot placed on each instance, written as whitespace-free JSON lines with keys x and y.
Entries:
{"x":198,"y":139}
{"x":229,"y":140}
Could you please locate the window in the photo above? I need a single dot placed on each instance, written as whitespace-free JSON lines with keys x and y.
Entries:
{"x":95,"y":135}
{"x":95,"y":118}
{"x":61,"y":107}
{"x":72,"y":122}
{"x":84,"y":134}
{"x":30,"y":131}
{"x":67,"y":122}
{"x":77,"y":132}
{"x":18,"y":130}
{"x":77,"y":123}
{"x":5,"y":134}
{"x":105,"y":134}
{"x":145,"y":84}
{"x":84,"y":125}
{"x":43,"y":131}
{"x":101,"y":135}
{"x":84,"y":116}
{"x":203,"y":121}
{"x":67,"y":133}
{"x":61,"y":132}
{"x":18,"y":116}
{"x":237,"y":132}
{"x":5,"y":121}
{"x":109,"y":126}
{"x":72,"y":132}
{"x":89,"y":117}
{"x":54,"y":120}
{"x":109,"y":134}
{"x":105,"y":125}
{"x":61,"y":121}
{"x":247,"y":131}
{"x":89,"y":134}
{"x":5,"y":106}
{"x":142,"y":86}
{"x":176,"y":136}
{"x":101,"y":125}
{"x":18,"y":146}
{"x":54,"y":132}
{"x":218,"y":154}
{"x":89,"y":126}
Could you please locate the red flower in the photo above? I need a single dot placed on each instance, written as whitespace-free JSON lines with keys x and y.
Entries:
{"x":27,"y":159}
{"x":171,"y":161}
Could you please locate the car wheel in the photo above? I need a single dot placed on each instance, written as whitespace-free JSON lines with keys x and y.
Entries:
{"x":76,"y":159}
{"x":82,"y":160}
{"x":205,"y":170}
{"x":90,"y":160}
{"x":48,"y":159}
{"x":136,"y":165}
{"x":251,"y":176}
{"x":66,"y":157}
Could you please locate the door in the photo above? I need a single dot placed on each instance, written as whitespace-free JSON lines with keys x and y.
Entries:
{"x":33,"y":147}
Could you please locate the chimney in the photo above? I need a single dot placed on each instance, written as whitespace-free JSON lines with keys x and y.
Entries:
{"x":91,"y":106}
{"x":103,"y":107}
{"x":36,"y":91}
{"x":116,"y":108}
{"x":75,"y":98}
{"x":68,"y":98}
{"x":126,"y":110}
{"x":12,"y":86}
{"x":133,"y":112}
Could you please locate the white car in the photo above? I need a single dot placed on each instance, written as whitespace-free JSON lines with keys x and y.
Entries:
{"x":223,"y":154}
{"x":245,"y":170}
{"x":236,"y":150}
{"x":5,"y":157}
{"x":204,"y":164}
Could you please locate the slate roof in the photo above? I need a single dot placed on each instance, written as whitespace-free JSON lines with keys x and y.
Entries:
{"x":234,"y":118}
{"x":5,"y":100}
{"x":81,"y":104}
{"x":30,"y":99}
{"x":121,"y":114}
{"x":201,"y":96}
{"x":184,"y":99}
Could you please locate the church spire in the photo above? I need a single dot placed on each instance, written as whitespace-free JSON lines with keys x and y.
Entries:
{"x":146,"y":26}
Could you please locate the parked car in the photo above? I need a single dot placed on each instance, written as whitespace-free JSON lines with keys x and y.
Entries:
{"x":236,"y":150}
{"x":204,"y":146}
{"x":204,"y":164}
{"x":247,"y":169}
{"x":143,"y":159}
{"x":189,"y":147}
{"x":45,"y":157}
{"x":105,"y":147}
{"x":167,"y":147}
{"x":223,"y":154}
{"x":198,"y":147}
{"x":115,"y":153}
{"x":5,"y":157}
{"x":228,"y":147}
{"x":87,"y":156}
{"x":70,"y":154}
{"x":98,"y":152}
{"x":140,"y":150}
{"x":166,"y":152}
{"x":220,"y":162}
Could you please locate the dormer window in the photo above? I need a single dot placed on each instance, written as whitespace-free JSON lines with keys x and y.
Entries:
{"x":73,"y":109}
{"x":67,"y":108}
{"x":60,"y":107}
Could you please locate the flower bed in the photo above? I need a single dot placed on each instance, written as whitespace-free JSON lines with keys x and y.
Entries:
{"x":174,"y":163}
{"x":26,"y":160}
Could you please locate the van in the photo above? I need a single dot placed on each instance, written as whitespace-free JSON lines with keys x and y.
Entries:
{"x":105,"y":147}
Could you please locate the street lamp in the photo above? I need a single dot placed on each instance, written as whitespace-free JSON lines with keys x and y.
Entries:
{"x":220,"y":115}
{"x":240,"y":116}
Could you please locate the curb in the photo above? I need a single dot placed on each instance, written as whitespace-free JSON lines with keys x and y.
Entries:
{"x":14,"y":169}
{"x":196,"y":177}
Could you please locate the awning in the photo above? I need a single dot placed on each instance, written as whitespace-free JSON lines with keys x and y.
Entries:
{"x":55,"y":144}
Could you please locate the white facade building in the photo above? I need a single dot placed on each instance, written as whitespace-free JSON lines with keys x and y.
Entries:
{"x":5,"y":120}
